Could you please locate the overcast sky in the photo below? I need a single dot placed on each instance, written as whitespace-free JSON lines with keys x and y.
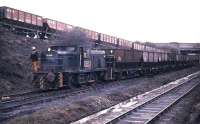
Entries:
{"x":143,"y":20}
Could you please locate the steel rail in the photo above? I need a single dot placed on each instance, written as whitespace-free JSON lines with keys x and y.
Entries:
{"x":118,"y":111}
{"x":173,"y":103}
{"x":7,"y":108}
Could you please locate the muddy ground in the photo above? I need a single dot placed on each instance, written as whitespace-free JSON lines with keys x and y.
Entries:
{"x":75,"y":107}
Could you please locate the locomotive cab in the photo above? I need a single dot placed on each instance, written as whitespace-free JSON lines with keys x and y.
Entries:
{"x":59,"y":59}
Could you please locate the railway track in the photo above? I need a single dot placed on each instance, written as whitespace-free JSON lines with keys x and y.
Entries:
{"x":145,"y":108}
{"x":12,"y":107}
{"x":21,"y":103}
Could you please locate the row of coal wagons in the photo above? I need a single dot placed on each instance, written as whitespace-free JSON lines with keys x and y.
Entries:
{"x":20,"y":17}
{"x":32,"y":21}
{"x":140,"y":56}
{"x":111,"y":40}
{"x":189,"y":57}
{"x":139,"y":59}
{"x":63,"y":27}
{"x":142,"y":53}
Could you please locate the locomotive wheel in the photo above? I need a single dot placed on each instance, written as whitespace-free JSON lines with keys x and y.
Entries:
{"x":119,"y":76}
{"x":91,"y":78}
{"x":101,"y":76}
{"x":74,"y":81}
{"x":77,"y":80}
{"x":70,"y":82}
{"x":96,"y":77}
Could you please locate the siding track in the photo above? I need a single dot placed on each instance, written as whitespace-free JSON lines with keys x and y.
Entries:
{"x":145,"y":108}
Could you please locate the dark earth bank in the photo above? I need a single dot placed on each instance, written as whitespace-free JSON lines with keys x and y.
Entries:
{"x":15,"y":65}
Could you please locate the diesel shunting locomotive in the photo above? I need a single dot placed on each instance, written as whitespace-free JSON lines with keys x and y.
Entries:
{"x":70,"y":65}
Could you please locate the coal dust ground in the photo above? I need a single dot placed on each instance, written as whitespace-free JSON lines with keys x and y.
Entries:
{"x":75,"y":107}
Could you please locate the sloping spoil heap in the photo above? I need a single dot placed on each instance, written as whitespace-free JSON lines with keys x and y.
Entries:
{"x":15,"y":65}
